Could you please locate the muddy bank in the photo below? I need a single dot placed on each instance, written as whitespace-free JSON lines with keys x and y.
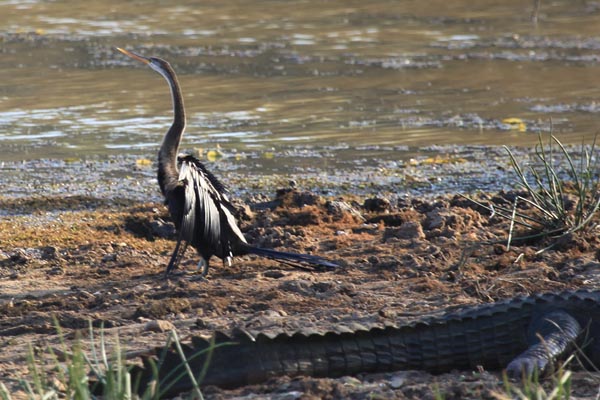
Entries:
{"x":83,"y":259}
{"x":405,"y":173}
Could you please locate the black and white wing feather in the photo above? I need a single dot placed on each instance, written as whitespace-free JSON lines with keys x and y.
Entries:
{"x":207,"y":220}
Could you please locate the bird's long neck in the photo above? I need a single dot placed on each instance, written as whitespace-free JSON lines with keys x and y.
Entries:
{"x":167,"y":155}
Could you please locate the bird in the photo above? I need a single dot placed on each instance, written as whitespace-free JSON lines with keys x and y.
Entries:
{"x":198,"y":201}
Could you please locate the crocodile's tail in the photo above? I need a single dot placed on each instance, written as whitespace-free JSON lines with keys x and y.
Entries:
{"x":486,"y":335}
{"x":242,"y":359}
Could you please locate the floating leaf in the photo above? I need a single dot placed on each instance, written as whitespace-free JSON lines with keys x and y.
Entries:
{"x":143,"y":162}
{"x":213,"y":155}
{"x":438,"y":160}
{"x":516,"y":124}
{"x":269,"y":155}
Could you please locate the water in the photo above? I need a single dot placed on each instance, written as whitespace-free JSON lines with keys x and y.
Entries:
{"x":288,"y":83}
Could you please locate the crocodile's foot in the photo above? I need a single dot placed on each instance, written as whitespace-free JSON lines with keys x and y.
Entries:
{"x":552,"y":335}
{"x":522,"y":367}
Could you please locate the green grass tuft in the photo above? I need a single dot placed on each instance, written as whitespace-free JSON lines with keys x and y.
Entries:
{"x":561,"y":202}
{"x":71,"y":372}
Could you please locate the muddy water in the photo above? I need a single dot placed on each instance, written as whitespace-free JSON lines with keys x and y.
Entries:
{"x":284,"y":82}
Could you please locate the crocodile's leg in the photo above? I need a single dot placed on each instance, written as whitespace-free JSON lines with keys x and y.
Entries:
{"x":551,"y":336}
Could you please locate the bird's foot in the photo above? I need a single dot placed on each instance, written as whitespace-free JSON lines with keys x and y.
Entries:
{"x":203,"y":265}
{"x":176,"y":273}
{"x":197,"y":278}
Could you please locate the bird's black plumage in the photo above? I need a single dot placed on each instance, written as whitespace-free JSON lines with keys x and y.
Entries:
{"x":198,"y":202}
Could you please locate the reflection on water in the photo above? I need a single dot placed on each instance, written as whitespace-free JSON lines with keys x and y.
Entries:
{"x":271,"y":76}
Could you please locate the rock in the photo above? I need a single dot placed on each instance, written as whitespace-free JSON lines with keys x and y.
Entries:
{"x":321,"y":287}
{"x":48,"y":253}
{"x":275,"y":274}
{"x":58,"y":270}
{"x":397,"y":381}
{"x":58,"y":385}
{"x":366,"y":228}
{"x":377,"y":204}
{"x":158,"y":325}
{"x":351,"y":381}
{"x":387,"y":313}
{"x":338,"y":209}
{"x":388,"y":219}
{"x":259,"y":306}
{"x":109,"y":257}
{"x":85,"y":295}
{"x":300,"y":286}
{"x":435,"y":220}
{"x":295,"y":198}
{"x":408,"y":230}
{"x":162,"y":229}
{"x":19,"y":257}
{"x":243,"y":211}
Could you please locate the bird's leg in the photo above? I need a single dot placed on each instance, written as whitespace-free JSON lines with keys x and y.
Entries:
{"x":203,"y":264}
{"x":176,"y":256}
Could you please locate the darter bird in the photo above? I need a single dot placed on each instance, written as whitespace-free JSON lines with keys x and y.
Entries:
{"x":198,"y":202}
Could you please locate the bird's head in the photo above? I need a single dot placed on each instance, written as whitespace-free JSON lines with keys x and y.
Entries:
{"x":158,"y":64}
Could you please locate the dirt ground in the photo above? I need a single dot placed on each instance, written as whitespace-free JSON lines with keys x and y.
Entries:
{"x":80,"y":259}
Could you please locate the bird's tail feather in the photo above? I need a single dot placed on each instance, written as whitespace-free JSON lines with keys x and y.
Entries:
{"x":302,"y":261}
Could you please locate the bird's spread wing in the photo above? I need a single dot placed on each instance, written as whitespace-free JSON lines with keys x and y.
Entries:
{"x":197,"y":164}
{"x":207,"y":215}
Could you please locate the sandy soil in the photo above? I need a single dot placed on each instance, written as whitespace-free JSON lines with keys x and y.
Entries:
{"x":80,"y":259}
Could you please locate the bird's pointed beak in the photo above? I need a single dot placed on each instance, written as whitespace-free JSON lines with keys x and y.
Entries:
{"x":134,"y":56}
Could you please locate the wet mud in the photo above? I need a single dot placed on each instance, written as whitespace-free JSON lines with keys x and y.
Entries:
{"x":81,"y":260}
{"x":392,"y":171}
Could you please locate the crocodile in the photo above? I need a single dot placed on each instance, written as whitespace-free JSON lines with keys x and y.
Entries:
{"x":522,"y":334}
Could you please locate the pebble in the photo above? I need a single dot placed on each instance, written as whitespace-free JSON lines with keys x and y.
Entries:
{"x":109,"y":257}
{"x":408,"y":230}
{"x":377,"y":204}
{"x":275,"y":274}
{"x":338,"y":208}
{"x":351,"y":381}
{"x":162,"y":229}
{"x":158,"y":325}
{"x":49,"y":253}
{"x":397,"y":381}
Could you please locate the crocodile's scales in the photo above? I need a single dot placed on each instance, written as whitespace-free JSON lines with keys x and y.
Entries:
{"x":493,"y":336}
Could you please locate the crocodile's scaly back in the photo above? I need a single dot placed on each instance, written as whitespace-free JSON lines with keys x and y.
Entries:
{"x":489,"y":335}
